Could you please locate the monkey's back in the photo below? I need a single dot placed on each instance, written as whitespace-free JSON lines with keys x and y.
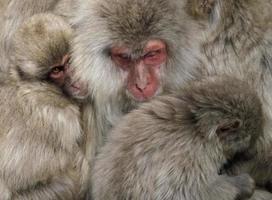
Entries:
{"x":36,"y":132}
{"x":174,"y":146}
{"x":152,"y":154}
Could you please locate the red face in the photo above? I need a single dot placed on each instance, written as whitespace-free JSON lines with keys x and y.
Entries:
{"x":143,"y":72}
{"x":61,"y":74}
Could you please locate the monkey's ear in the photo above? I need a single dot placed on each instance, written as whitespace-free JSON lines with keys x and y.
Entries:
{"x":228,"y":127}
{"x":201,"y":8}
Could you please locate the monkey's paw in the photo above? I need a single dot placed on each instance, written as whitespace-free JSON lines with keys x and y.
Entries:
{"x":245,"y":185}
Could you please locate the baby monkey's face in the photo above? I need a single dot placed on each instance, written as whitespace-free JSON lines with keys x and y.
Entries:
{"x":60,"y":74}
{"x":41,"y":53}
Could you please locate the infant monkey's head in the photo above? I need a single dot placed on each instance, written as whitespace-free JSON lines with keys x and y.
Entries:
{"x":42,"y":53}
{"x":228,"y":108}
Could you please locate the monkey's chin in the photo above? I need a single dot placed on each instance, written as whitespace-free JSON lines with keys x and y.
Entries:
{"x":141,"y":97}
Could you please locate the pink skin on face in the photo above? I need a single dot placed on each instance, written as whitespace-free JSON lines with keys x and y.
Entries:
{"x":61,"y":76}
{"x":58,"y":72}
{"x":142,"y":80}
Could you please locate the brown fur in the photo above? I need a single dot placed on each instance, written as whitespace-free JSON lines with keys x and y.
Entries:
{"x":41,"y":153}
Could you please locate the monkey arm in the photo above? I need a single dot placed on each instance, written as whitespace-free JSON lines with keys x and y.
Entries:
{"x":236,"y":187}
{"x":68,"y":185}
{"x":259,"y":166}
{"x":261,"y":170}
{"x":60,"y":187}
{"x":40,"y":148}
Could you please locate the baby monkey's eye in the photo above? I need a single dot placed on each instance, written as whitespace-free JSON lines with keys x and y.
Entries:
{"x":57,"y":69}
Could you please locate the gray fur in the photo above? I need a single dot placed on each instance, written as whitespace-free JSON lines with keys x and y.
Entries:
{"x":14,"y":13}
{"x":41,"y":153}
{"x":204,"y":38}
{"x":237,"y":41}
{"x":170,"y":148}
{"x":227,"y":36}
{"x":102,"y":24}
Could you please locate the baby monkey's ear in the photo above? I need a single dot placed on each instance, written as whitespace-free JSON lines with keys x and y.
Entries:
{"x":228,"y":127}
{"x":201,"y":8}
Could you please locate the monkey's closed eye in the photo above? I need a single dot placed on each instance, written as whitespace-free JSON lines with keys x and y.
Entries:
{"x":121,"y":59}
{"x":152,"y":53}
{"x":155,"y":57}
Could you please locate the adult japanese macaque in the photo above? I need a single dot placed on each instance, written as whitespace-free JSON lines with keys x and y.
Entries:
{"x":113,"y":39}
{"x":41,"y":141}
{"x":128,"y":52}
{"x":237,"y":40}
{"x":174,"y":146}
{"x":114,"y":34}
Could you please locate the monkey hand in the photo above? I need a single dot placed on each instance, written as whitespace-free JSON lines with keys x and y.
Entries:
{"x":245,"y":185}
{"x":234,"y":165}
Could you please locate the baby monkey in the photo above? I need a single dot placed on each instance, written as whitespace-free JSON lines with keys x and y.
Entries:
{"x":41,"y":152}
{"x":173,"y":147}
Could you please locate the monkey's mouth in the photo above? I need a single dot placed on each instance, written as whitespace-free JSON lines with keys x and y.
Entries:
{"x":75,"y":86}
{"x":77,"y":90}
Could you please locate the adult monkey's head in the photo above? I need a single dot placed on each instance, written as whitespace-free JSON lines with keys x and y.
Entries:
{"x":131,"y":50}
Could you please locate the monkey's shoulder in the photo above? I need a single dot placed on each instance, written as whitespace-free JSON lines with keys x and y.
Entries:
{"x":44,"y":94}
{"x":162,"y":119}
{"x":35,"y":97}
{"x":41,"y":111}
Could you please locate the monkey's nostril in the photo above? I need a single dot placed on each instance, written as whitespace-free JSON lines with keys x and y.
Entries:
{"x":141,"y":88}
